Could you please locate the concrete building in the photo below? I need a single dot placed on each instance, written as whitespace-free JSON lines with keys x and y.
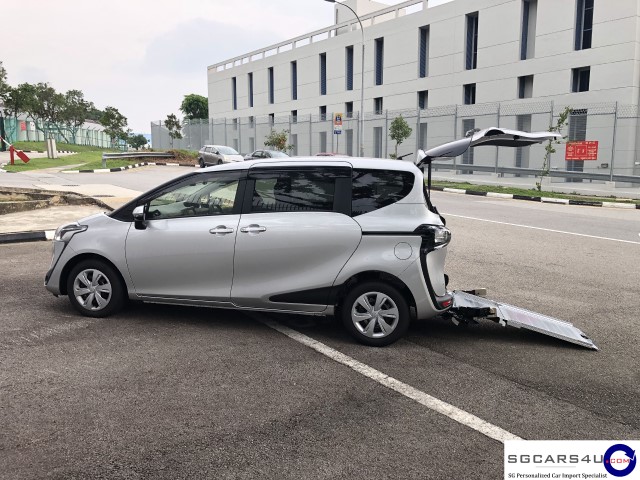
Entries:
{"x":446,"y":69}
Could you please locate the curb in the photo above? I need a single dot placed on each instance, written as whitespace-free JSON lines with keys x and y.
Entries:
{"x":561,"y":201}
{"x":20,"y":237}
{"x":128,"y":167}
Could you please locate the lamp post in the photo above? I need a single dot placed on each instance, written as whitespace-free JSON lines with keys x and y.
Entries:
{"x":361,"y":116}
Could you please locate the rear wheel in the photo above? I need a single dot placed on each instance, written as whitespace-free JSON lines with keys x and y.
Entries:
{"x":219,"y":162}
{"x":95,"y":289}
{"x":375,"y":314}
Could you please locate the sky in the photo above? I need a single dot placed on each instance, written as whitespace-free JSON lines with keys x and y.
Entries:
{"x":143,"y":56}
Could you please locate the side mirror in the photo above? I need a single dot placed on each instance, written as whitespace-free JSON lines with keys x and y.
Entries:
{"x":139,"y":218}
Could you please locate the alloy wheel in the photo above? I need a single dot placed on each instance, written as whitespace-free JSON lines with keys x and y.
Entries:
{"x":375,"y":315}
{"x":92,"y":289}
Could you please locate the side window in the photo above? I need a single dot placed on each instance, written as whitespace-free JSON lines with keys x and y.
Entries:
{"x":374,"y":189}
{"x":293,"y":191}
{"x":206,"y":196}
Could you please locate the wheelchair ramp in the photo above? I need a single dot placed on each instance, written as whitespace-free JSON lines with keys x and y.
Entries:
{"x":467,"y":306}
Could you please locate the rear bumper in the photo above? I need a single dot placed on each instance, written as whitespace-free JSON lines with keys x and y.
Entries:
{"x":430,"y":300}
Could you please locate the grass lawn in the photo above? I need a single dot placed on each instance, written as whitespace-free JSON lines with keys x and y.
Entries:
{"x":529,"y":192}
{"x":42,"y":147}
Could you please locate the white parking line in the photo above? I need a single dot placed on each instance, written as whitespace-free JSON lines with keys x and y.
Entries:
{"x":432,"y":403}
{"x":543,"y":229}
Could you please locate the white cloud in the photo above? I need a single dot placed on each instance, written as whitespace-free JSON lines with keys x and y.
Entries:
{"x":143,"y":56}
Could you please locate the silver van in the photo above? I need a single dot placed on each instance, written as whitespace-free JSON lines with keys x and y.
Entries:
{"x":353,"y":237}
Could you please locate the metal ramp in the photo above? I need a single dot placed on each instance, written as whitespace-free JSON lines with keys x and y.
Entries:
{"x":467,"y":307}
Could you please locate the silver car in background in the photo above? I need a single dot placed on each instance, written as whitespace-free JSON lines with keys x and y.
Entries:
{"x":217,"y":155}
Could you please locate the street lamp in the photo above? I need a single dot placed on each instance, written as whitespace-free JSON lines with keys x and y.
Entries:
{"x":361,"y":119}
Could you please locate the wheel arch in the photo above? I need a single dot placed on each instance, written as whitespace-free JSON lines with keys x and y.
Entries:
{"x":64,"y":275}
{"x":378,"y":276}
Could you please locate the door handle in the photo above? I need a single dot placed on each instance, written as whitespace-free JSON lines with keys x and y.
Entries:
{"x":253,"y":229}
{"x":221,"y":230}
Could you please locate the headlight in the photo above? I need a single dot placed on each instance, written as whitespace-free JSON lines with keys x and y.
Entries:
{"x":434,"y":237}
{"x":65,"y":232}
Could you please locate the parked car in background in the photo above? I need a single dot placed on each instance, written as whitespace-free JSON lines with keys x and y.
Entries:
{"x":330,"y":154}
{"x":217,"y":155}
{"x":266,"y":154}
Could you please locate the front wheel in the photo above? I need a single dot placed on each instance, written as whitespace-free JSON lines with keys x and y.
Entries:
{"x":219,"y":162}
{"x":375,"y":314}
{"x":201,"y":162}
{"x":95,"y":289}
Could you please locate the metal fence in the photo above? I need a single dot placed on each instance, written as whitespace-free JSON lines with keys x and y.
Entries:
{"x":615,"y":127}
{"x":25,"y":130}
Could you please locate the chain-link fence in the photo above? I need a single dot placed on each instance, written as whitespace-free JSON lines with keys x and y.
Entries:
{"x":27,"y":130}
{"x":615,"y":127}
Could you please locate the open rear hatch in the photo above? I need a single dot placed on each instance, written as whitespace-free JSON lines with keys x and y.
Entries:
{"x":467,"y":306}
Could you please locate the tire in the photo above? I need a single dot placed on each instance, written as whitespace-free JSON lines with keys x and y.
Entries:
{"x":201,"y":162}
{"x":396,"y":321}
{"x":219,"y":162}
{"x":95,"y":277}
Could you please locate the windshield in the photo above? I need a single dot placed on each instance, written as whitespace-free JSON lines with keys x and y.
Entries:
{"x":275,"y":154}
{"x":227,"y":151}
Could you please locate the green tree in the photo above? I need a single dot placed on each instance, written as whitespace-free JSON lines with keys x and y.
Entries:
{"x":136,"y":141}
{"x":563,"y":120}
{"x":4,"y":89}
{"x":399,"y":131}
{"x":278,"y":140}
{"x":195,"y":106}
{"x":172,"y":123}
{"x":43,"y":103}
{"x":74,"y":112}
{"x":114,"y":124}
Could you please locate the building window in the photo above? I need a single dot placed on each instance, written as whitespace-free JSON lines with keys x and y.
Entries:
{"x":349,"y":141}
{"x":471,"y":52}
{"x":525,"y":86}
{"x":349,"y":67}
{"x":528,"y":36}
{"x":580,"y":79}
{"x":251,"y":121}
{"x":234,"y":93}
{"x":234,"y":123}
{"x":294,"y":80}
{"x":377,"y":105}
{"x":467,"y":157}
{"x":377,"y":142}
{"x":584,"y":24}
{"x":294,"y":142}
{"x":470,"y":94}
{"x":423,"y":99}
{"x":523,"y":123}
{"x":272,"y":119}
{"x":379,"y":59}
{"x":323,"y":141}
{"x":250,"y":81}
{"x":252,"y":144}
{"x":323,"y":74}
{"x":422,"y":136}
{"x":577,"y":131}
{"x":294,"y":116}
{"x":348,"y":109}
{"x":271,"y":86}
{"x":323,"y":113}
{"x":423,"y":59}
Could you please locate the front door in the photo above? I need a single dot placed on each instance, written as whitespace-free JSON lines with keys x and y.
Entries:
{"x":294,"y":237}
{"x":186,"y":250}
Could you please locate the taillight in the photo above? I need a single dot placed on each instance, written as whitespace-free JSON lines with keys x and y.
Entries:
{"x":434,"y":237}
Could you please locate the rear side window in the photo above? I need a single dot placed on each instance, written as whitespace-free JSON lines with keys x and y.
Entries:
{"x":293,"y":191}
{"x":374,"y":189}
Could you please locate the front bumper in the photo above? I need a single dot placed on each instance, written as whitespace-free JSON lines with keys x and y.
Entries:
{"x":61,"y":254}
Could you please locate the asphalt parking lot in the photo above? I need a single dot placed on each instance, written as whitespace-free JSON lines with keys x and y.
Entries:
{"x":178,"y":392}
